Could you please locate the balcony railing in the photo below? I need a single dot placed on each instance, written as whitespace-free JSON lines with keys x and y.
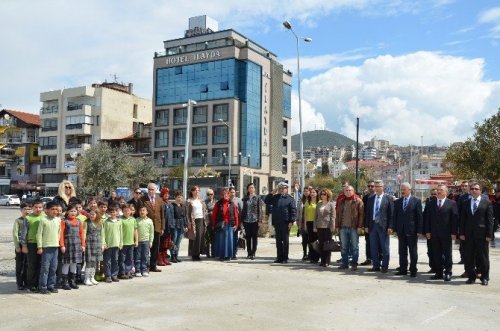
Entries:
{"x":201,"y":161}
{"x":49,"y":110}
{"x":47,"y":165}
{"x":46,"y":147}
{"x":74,"y":107}
{"x":50,"y":128}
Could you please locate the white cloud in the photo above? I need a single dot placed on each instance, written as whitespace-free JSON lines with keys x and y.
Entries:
{"x":402,"y":98}
{"x":311,"y":118}
{"x":491,"y":17}
{"x":325,"y":61}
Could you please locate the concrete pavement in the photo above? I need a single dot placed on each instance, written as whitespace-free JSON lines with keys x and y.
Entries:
{"x":256,"y":295}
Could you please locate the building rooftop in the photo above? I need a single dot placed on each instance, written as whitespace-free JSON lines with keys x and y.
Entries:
{"x":28,"y":118}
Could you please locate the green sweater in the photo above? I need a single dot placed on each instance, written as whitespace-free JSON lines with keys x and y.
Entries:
{"x":128,"y":229}
{"x":49,"y":230}
{"x":145,"y":229}
{"x":111,"y":233}
{"x":33,"y":221}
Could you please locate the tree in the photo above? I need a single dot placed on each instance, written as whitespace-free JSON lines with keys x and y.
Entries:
{"x":325,"y":169}
{"x":478,"y":157}
{"x":178,"y":172}
{"x":141,"y":170}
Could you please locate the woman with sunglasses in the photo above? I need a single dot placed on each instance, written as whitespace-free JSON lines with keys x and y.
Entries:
{"x":66,"y":191}
{"x":136,"y":201}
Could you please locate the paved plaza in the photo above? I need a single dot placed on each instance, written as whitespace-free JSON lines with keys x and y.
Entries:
{"x":256,"y":295}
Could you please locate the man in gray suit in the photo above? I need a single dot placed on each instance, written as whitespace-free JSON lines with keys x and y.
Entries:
{"x":408,"y":224}
{"x":379,"y":224}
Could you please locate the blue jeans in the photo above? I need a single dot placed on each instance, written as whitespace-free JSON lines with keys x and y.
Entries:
{"x":350,"y":245}
{"x":126,"y":259}
{"x":111,"y":261}
{"x":141,"y":254}
{"x":379,"y":238}
{"x":177,"y":235}
{"x":47,"y":279}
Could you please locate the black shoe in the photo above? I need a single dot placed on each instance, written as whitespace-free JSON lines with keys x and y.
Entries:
{"x":172,"y":260}
{"x":338,"y":261}
{"x":115,"y":279}
{"x":34,"y":289}
{"x":384,"y":270}
{"x":398,"y":268}
{"x":305,"y":257}
{"x":367,"y":262}
{"x":435,"y":277}
{"x":284,"y":261}
{"x":342,"y":267}
{"x":278,"y":261}
{"x":413,"y":274}
{"x":447,"y":277}
{"x":252,"y":257}
{"x":470,"y":281}
{"x":44,"y":291}
{"x":249,"y":256}
{"x":484,"y":282}
{"x":234,"y":258}
{"x":431,"y":271}
{"x":21,"y":288}
{"x":53,"y":290}
{"x":373,"y":269}
{"x":401,"y":273}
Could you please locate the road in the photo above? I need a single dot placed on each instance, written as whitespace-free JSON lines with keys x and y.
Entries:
{"x":256,"y":295}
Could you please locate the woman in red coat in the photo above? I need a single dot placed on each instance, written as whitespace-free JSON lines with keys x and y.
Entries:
{"x":224,"y":222}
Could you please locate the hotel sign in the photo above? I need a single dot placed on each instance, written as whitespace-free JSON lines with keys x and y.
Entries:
{"x":193,"y":57}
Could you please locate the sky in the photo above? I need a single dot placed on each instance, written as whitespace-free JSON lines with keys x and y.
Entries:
{"x":406,"y":69}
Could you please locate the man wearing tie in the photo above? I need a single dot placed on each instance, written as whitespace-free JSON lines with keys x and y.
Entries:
{"x":476,"y":229}
{"x":408,"y":224}
{"x":378,"y":223}
{"x":441,"y":225}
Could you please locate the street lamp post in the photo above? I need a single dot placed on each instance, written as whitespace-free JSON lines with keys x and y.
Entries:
{"x":189,"y":106}
{"x":229,"y":133}
{"x":288,"y":26}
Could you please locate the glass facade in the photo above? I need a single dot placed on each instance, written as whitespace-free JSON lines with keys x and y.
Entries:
{"x":200,"y":114}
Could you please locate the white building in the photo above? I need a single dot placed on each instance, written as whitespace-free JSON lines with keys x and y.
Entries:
{"x":74,"y":119}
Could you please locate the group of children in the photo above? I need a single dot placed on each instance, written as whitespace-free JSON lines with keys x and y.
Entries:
{"x":52,"y":247}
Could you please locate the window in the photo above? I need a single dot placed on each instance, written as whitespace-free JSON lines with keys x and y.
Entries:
{"x":203,"y":88}
{"x":178,"y":70}
{"x":224,"y":86}
{"x":178,"y":155}
{"x":161,"y":158}
{"x":221,"y":112}
{"x":219,"y":153}
{"x":199,"y":153}
{"x":49,"y":124}
{"x":161,"y":118}
{"x":134,"y":112}
{"x":180,"y":115}
{"x":219,"y":135}
{"x":204,"y":66}
{"x":79,"y":120}
{"x":48,"y":142}
{"x":179,"y":137}
{"x":200,"y":136}
{"x":97,"y":120}
{"x":161,"y":138}
{"x":200,"y":114}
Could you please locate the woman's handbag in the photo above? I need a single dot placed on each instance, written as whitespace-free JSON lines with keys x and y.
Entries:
{"x":333,"y":245}
{"x":241,"y":241}
{"x":190,"y":233}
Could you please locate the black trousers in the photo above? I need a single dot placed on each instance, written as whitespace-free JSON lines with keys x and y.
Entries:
{"x":313,"y":236}
{"x":441,"y":253}
{"x":34,"y":261}
{"x":429,"y":254}
{"x":155,"y":248}
{"x":477,"y":255}
{"x":368,"y":249}
{"x":407,"y":244}
{"x":305,"y":240}
{"x":282,"y":241}
{"x":324,"y":235}
{"x":21,"y":269}
{"x":251,"y":233}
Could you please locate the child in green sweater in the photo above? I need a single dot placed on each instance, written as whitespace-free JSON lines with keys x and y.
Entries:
{"x":34,"y":259}
{"x":143,"y":242}
{"x":19,"y":234}
{"x":47,"y":239}
{"x":126,"y":259}
{"x":112,"y":242}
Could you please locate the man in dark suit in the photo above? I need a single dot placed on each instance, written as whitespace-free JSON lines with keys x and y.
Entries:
{"x":378,"y":222}
{"x":408,"y":224}
{"x":460,"y":199}
{"x":154,"y":206}
{"x":431,"y":199}
{"x":441,"y":225}
{"x":476,"y":229}
{"x":371,"y":191}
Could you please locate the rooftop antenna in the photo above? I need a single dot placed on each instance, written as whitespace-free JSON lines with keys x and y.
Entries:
{"x":115,"y":77}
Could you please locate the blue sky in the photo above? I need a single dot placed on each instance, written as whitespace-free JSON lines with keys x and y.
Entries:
{"x":406,"y":68}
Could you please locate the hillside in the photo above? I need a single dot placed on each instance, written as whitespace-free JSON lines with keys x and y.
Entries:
{"x":319,"y":138}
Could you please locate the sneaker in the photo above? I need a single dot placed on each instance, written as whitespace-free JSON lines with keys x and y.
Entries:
{"x":145,"y":274}
{"x":138,"y":274}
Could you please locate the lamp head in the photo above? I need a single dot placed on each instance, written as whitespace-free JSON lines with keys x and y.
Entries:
{"x":308,"y":40}
{"x":287,"y":25}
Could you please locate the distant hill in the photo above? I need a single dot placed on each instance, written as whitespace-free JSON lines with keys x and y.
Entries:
{"x":319,"y":138}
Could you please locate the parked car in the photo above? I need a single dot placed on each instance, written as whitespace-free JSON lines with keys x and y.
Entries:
{"x":46,"y":199}
{"x":9,"y":200}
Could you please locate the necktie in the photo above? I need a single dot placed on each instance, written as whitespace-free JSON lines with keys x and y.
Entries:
{"x":377,"y":207}
{"x":474,"y":206}
{"x":439,"y":203}
{"x":405,"y":203}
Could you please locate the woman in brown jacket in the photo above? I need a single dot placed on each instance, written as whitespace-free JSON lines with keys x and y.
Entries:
{"x":325,"y":224}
